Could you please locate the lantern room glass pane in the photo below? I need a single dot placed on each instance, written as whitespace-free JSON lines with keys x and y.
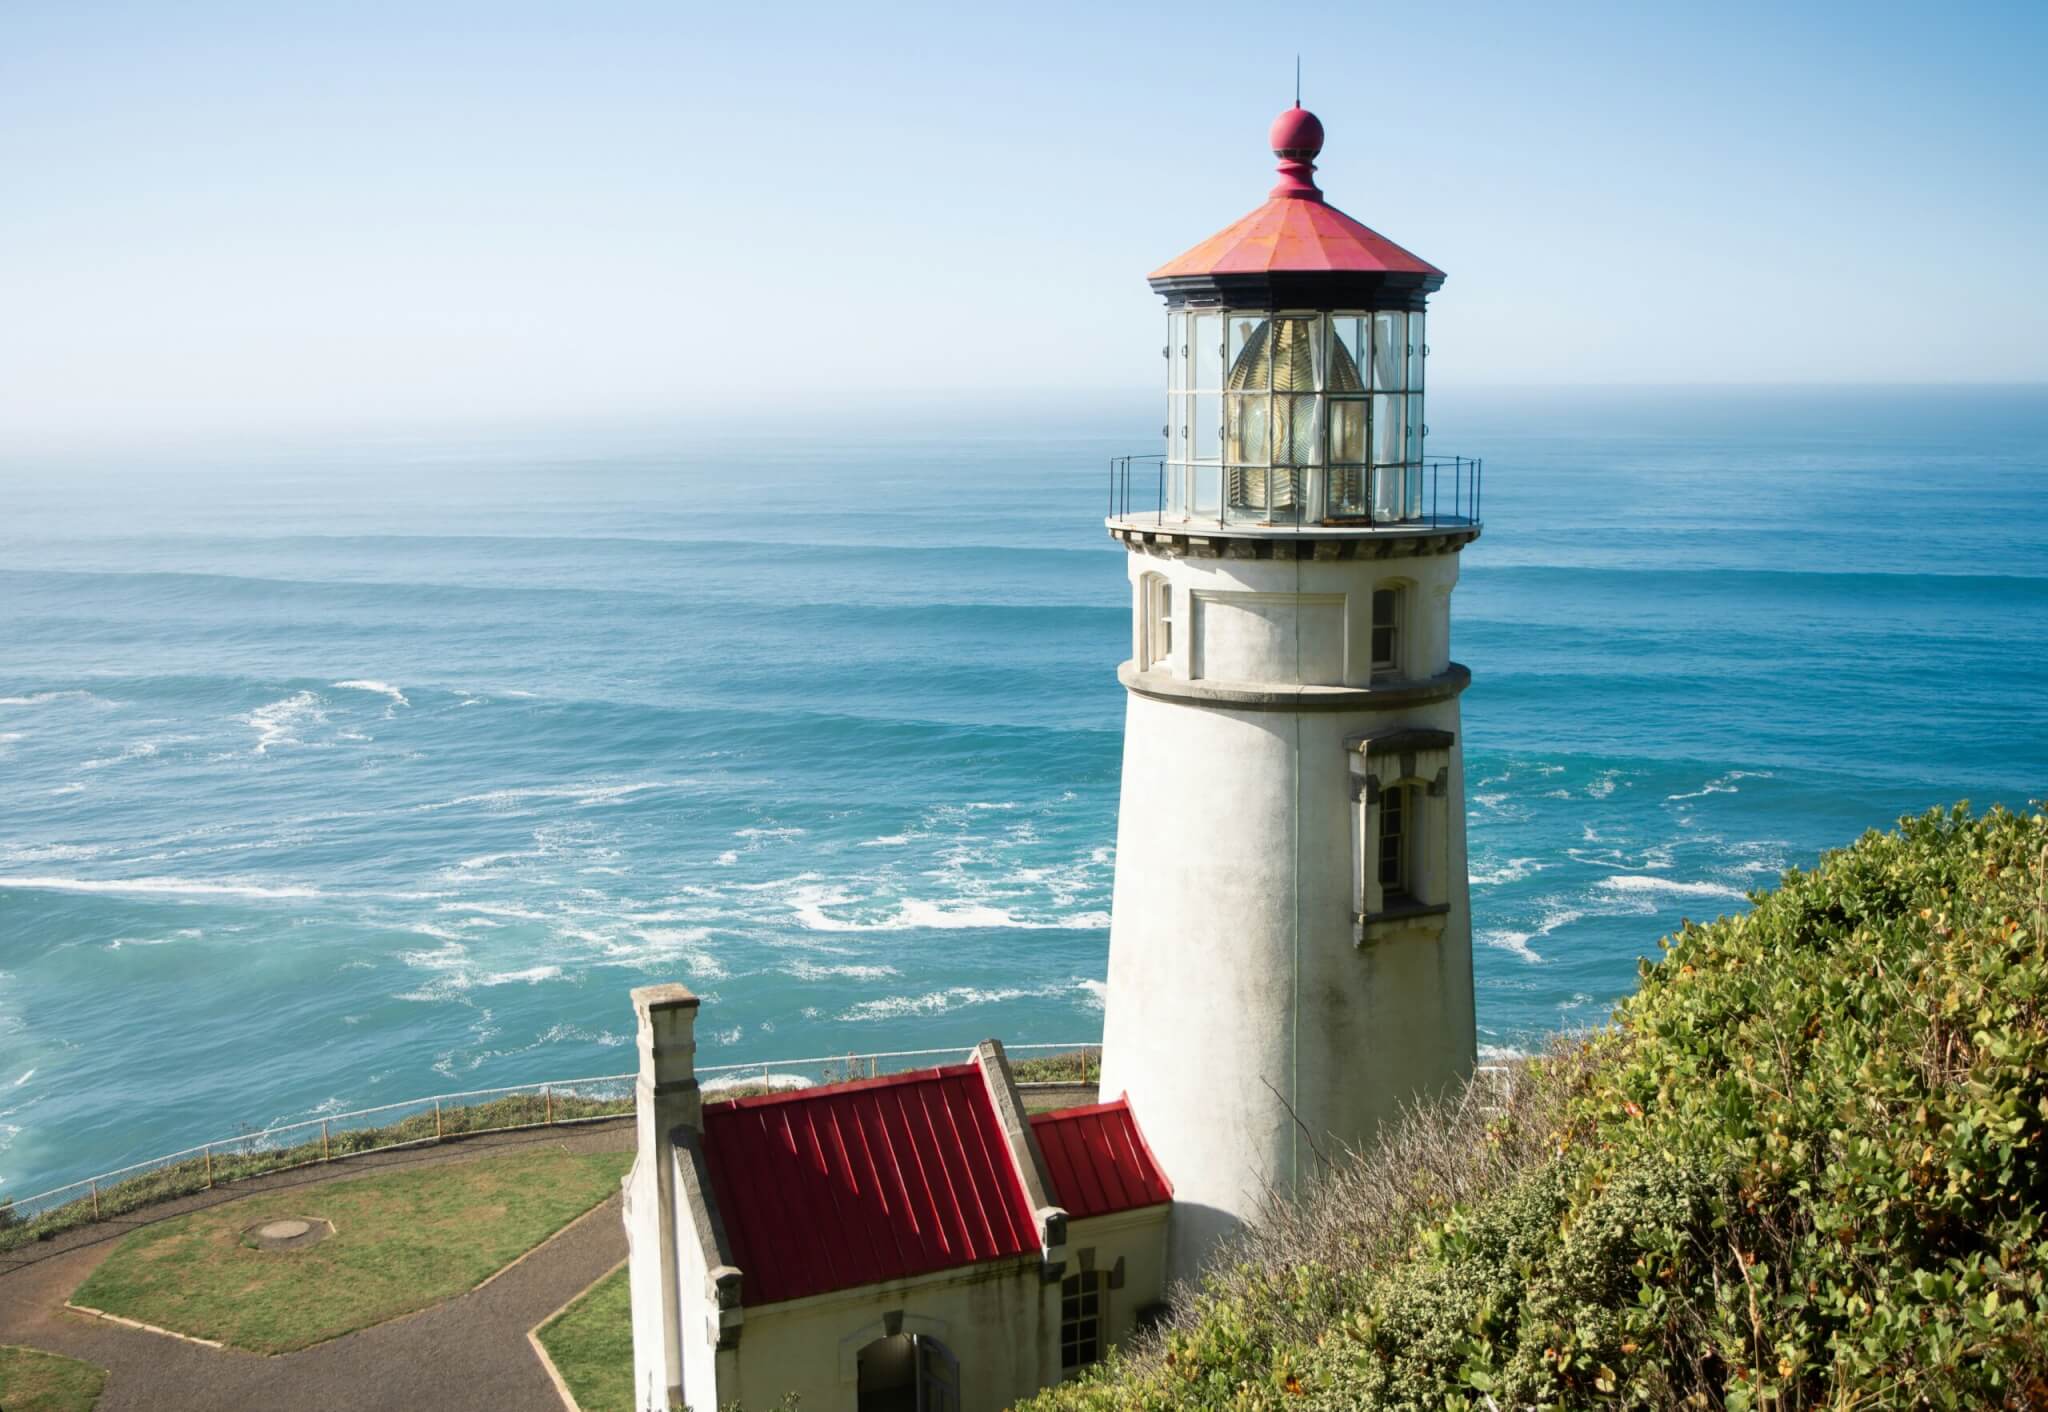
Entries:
{"x":1208,"y":425}
{"x":1177,"y":349}
{"x":1249,"y":372}
{"x":1297,"y":431}
{"x":1416,"y":429}
{"x":1389,"y":350}
{"x":1207,"y":485}
{"x":1244,"y":432}
{"x":1389,"y":443}
{"x":1415,"y":353}
{"x":1206,"y":338}
{"x":1347,"y":430}
{"x":1297,"y":355}
{"x":1387,"y":485}
{"x":1350,"y":353}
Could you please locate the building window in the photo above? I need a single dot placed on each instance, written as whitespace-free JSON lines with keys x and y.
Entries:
{"x":1386,"y":632}
{"x":1080,"y":1319}
{"x":1396,"y":843}
{"x":1156,"y":647}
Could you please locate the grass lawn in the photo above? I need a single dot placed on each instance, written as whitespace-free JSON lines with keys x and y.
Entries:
{"x":592,"y":1344}
{"x":31,"y":1381}
{"x":402,"y":1240}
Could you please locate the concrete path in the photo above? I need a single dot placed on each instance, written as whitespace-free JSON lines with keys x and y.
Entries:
{"x":469,"y":1353}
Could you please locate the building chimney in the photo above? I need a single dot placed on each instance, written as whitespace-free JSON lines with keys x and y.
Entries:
{"x":665,"y":1100}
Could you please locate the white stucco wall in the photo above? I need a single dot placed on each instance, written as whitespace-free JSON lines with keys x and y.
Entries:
{"x":1000,"y":1320}
{"x":1247,"y":1027}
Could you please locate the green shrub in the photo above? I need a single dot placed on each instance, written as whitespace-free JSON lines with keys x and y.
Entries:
{"x":1803,"y":1167}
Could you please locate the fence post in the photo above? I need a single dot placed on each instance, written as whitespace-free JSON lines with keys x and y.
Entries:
{"x":323,"y":1141}
{"x":547,"y":1095}
{"x":437,"y":1120}
{"x":209,"y":1168}
{"x":95,"y":1199}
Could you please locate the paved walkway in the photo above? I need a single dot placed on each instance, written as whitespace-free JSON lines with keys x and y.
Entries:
{"x":469,"y":1353}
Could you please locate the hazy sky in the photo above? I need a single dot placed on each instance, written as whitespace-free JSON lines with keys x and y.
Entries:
{"x":219,"y":216}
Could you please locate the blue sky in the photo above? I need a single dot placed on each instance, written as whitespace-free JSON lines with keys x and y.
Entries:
{"x":220,"y":217}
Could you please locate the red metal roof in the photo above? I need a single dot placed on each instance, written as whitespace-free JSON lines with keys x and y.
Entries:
{"x":850,"y":1184}
{"x":1098,"y":1161}
{"x":1296,"y":230}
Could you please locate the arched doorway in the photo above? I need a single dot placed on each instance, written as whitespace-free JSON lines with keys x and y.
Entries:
{"x":908,"y":1373}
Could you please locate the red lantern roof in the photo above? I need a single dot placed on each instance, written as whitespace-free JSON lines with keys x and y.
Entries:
{"x":1298,"y":237}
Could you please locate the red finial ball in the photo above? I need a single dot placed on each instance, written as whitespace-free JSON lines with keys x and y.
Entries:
{"x":1297,"y":135}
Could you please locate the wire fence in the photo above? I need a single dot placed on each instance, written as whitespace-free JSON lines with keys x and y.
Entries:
{"x":441,"y":1117}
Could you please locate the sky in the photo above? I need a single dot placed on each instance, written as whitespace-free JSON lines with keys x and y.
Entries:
{"x":225,"y":217}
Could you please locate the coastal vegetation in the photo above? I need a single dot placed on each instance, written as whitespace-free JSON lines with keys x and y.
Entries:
{"x":34,"y":1381}
{"x":402,"y":1240}
{"x":1802,"y":1167}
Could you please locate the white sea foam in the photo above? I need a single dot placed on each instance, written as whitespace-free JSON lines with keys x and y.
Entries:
{"x":917,"y":914}
{"x":811,"y":971}
{"x":16,"y":853}
{"x":381,"y":688}
{"x":137,"y":750}
{"x":1500,"y":1053}
{"x":1725,"y":784}
{"x":779,"y":1083}
{"x":1096,"y":991}
{"x":728,"y":858}
{"x":1512,"y":871}
{"x":44,"y":698}
{"x":774,"y":833}
{"x":532,"y":975}
{"x":1514,"y":942}
{"x":893,"y":840}
{"x":936,"y":1002}
{"x":493,"y":909}
{"x":169,"y":886}
{"x":1638,"y":883}
{"x":68,"y":789}
{"x":1603,"y":784}
{"x":24,"y":1078}
{"x":279,"y":722}
{"x":580,"y":795}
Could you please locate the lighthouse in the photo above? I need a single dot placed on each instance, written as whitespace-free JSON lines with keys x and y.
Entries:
{"x":1290,"y":954}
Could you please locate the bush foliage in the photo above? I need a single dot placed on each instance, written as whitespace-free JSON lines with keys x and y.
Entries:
{"x":1803,"y":1167}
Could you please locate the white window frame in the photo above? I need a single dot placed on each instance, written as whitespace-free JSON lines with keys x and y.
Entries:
{"x":1418,"y":762}
{"x":1393,"y":665}
{"x":1155,"y":633}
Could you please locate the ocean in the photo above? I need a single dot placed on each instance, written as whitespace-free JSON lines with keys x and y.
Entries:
{"x":355,"y":772}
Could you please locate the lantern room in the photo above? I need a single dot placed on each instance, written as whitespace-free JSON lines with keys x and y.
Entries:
{"x":1296,"y":344}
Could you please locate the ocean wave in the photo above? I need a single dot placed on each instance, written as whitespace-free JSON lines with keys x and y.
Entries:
{"x":916,"y":914}
{"x":779,"y":1083}
{"x":1512,"y":871}
{"x":73,"y":788}
{"x":812,"y":971}
{"x":939,"y":1002}
{"x":279,"y":722}
{"x":1096,"y":991}
{"x":45,"y":698}
{"x":581,"y":795}
{"x":1639,"y":883}
{"x":1500,"y":1053}
{"x":177,"y":887}
{"x":381,"y":688}
{"x":138,"y":750}
{"x":1724,"y":784}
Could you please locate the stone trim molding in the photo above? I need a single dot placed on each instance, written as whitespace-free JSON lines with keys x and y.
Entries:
{"x":1327,"y":546}
{"x":1262,"y":696}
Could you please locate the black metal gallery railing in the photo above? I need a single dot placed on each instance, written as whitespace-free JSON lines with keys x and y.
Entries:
{"x":1438,"y":492}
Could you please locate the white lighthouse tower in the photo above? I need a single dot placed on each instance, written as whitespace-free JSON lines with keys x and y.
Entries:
{"x":1291,"y":946}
